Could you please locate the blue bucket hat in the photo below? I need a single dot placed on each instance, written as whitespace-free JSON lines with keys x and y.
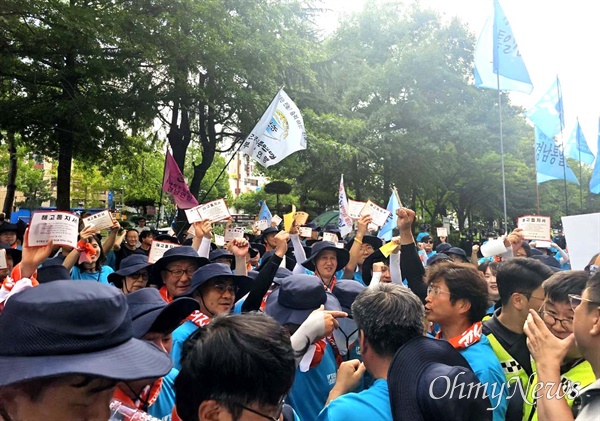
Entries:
{"x":218,"y":271}
{"x":269,"y":230}
{"x":457,"y":251}
{"x":373,"y":241}
{"x":297,"y":297}
{"x":174,"y":254}
{"x":438,"y":257}
{"x":346,"y":292}
{"x":66,"y":327}
{"x":128,"y":266}
{"x":150,"y":313}
{"x":443,"y":247}
{"x":343,"y":257}
{"x":222,"y":254}
{"x":52,"y":270}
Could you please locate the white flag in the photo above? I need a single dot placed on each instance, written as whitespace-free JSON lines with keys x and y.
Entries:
{"x":344,"y":220}
{"x":279,"y":133}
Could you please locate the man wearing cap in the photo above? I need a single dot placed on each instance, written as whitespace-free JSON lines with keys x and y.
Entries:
{"x":325,"y":260}
{"x":290,"y":305}
{"x":267,"y":237}
{"x":387,"y":317}
{"x":419,"y":379}
{"x":8,"y":235}
{"x":457,"y":300}
{"x":520,"y":288}
{"x":154,"y":321}
{"x":173,"y":271}
{"x":215,"y":288}
{"x":133,"y":274}
{"x":63,"y":348}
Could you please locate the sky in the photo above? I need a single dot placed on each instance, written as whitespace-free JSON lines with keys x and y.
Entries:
{"x":555,"y":37}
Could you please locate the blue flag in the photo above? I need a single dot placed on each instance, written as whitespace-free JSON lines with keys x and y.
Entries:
{"x":265,"y":213}
{"x":547,"y":114}
{"x":549,"y":160}
{"x":498,"y":62}
{"x":385,"y":231}
{"x":576,"y":146}
{"x":595,"y":180}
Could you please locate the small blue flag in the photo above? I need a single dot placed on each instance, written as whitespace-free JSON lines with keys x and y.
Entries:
{"x":547,"y":114}
{"x":549,"y":160}
{"x":498,"y":62}
{"x":265,"y":213}
{"x":595,"y":180}
{"x":385,"y":231}
{"x":576,"y":147}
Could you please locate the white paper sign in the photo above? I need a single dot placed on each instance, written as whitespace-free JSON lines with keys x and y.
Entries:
{"x":305,"y":232}
{"x":61,"y":227}
{"x":339,"y":245}
{"x":233,"y":233}
{"x":442,"y":232}
{"x":192,"y":215}
{"x":329,"y":236}
{"x":542,"y":244}
{"x":261,"y":225}
{"x":276,"y":219}
{"x":354,"y":208}
{"x":582,"y":233}
{"x":3,"y":264}
{"x":219,"y":240}
{"x":158,"y":248}
{"x":101,"y":220}
{"x":379,"y":214}
{"x":535,"y":227}
{"x":214,"y":211}
{"x":493,"y":248}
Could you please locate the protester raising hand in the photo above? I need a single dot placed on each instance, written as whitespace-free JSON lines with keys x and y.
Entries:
{"x":281,"y":243}
{"x":240,"y":249}
{"x":32,"y":257}
{"x":348,"y":377}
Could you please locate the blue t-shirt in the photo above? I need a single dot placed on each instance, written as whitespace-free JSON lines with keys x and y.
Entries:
{"x":180,"y":335}
{"x":101,"y":276}
{"x":311,"y":389}
{"x":487,"y":368}
{"x":163,"y":406}
{"x":370,"y":404}
{"x":358,"y":277}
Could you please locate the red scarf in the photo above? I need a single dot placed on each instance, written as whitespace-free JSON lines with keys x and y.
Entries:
{"x":165,"y":294}
{"x":146,"y":398}
{"x":199,"y":319}
{"x":469,"y":337}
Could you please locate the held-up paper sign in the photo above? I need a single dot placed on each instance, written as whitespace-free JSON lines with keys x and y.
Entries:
{"x":214,"y":211}
{"x":305,"y":232}
{"x":276,"y":219}
{"x":442,"y":232}
{"x":3,"y":264}
{"x":61,"y":227}
{"x":354,"y":208}
{"x":101,"y":220}
{"x":378,"y":214}
{"x":301,"y":218}
{"x":157,"y":249}
{"x":261,"y":225}
{"x":329,"y":236}
{"x":535,"y":227}
{"x":233,"y":233}
{"x":219,"y":240}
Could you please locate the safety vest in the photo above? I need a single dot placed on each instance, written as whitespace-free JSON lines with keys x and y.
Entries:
{"x":573,"y":381}
{"x":510,"y":366}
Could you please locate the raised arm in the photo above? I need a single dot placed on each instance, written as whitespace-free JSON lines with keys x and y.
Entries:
{"x":355,"y":250}
{"x":410,"y":263}
{"x":107,"y":246}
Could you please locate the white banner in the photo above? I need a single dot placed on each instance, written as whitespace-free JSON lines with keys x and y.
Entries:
{"x":279,"y":133}
{"x":344,"y":221}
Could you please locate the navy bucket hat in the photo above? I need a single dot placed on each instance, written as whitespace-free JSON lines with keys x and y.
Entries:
{"x":222,"y":254}
{"x":173,"y":255}
{"x":67,"y":327}
{"x":128,"y":266}
{"x":346,"y":292}
{"x":218,"y":271}
{"x":343,"y":257}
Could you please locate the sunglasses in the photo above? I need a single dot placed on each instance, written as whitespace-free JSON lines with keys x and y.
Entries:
{"x":138,"y":275}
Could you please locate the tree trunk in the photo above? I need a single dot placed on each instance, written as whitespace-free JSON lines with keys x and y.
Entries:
{"x":11,"y":185}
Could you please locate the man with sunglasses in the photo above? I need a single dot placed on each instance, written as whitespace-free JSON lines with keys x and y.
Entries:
{"x":520,"y":288}
{"x":557,"y":314}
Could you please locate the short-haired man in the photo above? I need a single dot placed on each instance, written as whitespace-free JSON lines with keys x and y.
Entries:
{"x":549,"y":352}
{"x":457,"y":300}
{"x":146,"y":238}
{"x":241,"y":367}
{"x":128,"y":247}
{"x":575,"y":372}
{"x":141,"y":225}
{"x":63,"y":348}
{"x":519,"y":283}
{"x":387,"y":316}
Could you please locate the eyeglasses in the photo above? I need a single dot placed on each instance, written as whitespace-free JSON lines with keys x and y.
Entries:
{"x":435,"y":291}
{"x":530,"y":296}
{"x":576,"y":300}
{"x":221,"y":288}
{"x":138,"y":275}
{"x":178,"y":273}
{"x":268,"y":417}
{"x":550,"y":320}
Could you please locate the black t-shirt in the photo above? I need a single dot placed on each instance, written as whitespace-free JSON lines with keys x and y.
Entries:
{"x":122,"y":253}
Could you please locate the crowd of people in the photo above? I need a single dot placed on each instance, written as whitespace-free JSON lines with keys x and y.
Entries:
{"x":280,"y":327}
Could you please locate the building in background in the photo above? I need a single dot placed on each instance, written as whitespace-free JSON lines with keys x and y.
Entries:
{"x":242,"y":175}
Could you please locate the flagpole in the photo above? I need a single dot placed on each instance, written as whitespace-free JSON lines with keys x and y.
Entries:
{"x":221,"y":173}
{"x":395,"y":190}
{"x":502,"y":153}
{"x":562,"y":141}
{"x":580,"y":170}
{"x":160,"y":200}
{"x":537,"y":184}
